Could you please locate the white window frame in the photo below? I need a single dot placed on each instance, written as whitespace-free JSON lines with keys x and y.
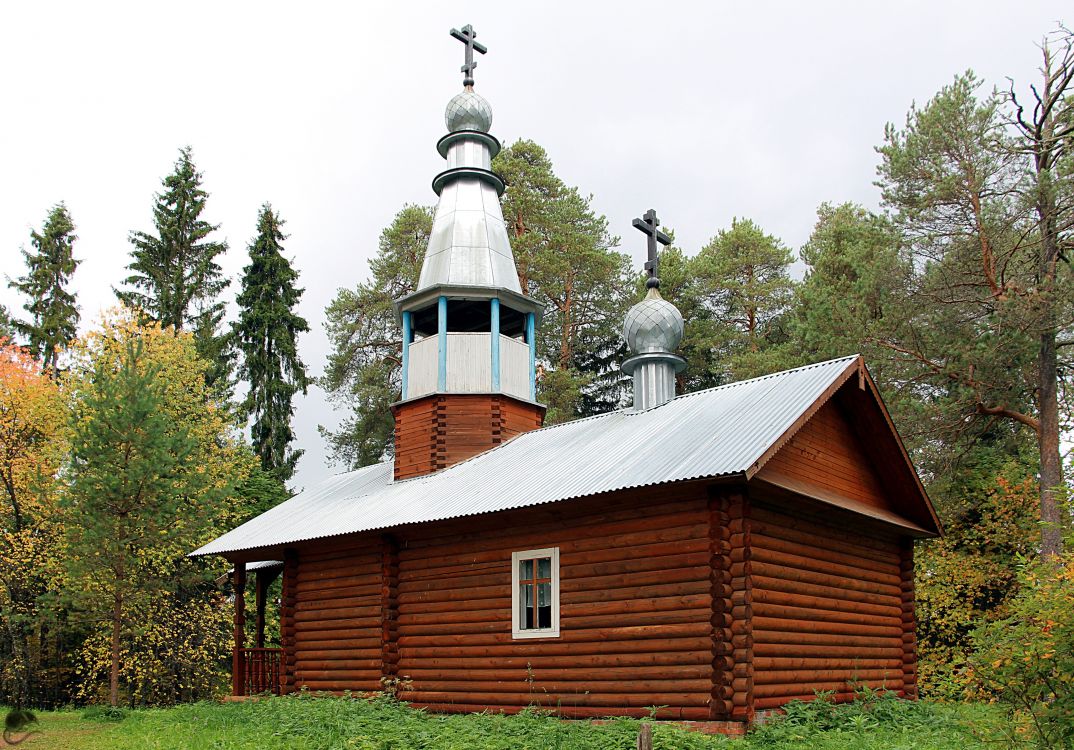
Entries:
{"x":517,"y":631}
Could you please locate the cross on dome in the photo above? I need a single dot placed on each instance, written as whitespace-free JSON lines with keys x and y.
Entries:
{"x":648,"y":225}
{"x":467,"y":37}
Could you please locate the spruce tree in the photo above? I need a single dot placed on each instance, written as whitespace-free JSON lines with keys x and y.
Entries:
{"x":53,"y":312}
{"x":175,"y":278}
{"x":266,"y":334}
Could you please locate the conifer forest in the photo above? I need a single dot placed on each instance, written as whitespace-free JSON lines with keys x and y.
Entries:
{"x":131,"y":437}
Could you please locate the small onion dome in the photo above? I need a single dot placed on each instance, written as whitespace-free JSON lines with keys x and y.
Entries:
{"x":468,"y":111}
{"x":653,"y":325}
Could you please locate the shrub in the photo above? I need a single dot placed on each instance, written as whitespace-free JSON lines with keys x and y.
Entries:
{"x":1026,"y":660}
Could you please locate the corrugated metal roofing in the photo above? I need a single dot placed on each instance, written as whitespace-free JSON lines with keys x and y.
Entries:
{"x":710,"y":433}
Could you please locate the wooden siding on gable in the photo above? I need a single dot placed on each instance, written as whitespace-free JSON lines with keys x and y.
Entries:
{"x":826,"y":453}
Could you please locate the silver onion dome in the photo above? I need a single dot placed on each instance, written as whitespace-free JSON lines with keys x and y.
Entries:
{"x":468,"y":111}
{"x":653,"y":325}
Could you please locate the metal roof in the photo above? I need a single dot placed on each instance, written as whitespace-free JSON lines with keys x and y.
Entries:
{"x":716,"y":432}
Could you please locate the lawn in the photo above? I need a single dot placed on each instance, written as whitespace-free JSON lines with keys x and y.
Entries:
{"x":309,"y":723}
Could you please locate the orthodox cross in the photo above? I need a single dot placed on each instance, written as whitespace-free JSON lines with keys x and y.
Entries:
{"x":648,"y":225}
{"x":467,"y":37}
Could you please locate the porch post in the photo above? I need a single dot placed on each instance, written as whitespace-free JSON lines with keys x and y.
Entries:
{"x":238,"y":664}
{"x":262,"y":590}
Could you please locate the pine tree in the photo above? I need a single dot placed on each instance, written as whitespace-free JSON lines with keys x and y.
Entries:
{"x":175,"y":278}
{"x":363,"y":370}
{"x":266,"y":334}
{"x":53,"y":312}
{"x":125,"y":495}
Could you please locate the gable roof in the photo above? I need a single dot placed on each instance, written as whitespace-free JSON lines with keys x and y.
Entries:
{"x":729,"y":430}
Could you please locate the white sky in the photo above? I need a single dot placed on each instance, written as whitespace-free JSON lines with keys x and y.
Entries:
{"x":705,"y":111}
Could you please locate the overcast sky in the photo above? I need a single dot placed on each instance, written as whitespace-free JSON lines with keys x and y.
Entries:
{"x":705,"y":111}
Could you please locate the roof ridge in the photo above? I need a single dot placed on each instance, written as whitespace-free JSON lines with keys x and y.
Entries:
{"x":737,"y":383}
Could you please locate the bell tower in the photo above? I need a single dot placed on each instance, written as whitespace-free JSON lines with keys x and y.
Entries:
{"x":468,"y":380}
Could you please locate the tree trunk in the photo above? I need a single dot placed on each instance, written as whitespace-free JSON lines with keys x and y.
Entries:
{"x":117,"y":620}
{"x":1051,"y":467}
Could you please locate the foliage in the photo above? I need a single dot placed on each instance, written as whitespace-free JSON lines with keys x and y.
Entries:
{"x":986,"y":305}
{"x":33,"y":442}
{"x":1027,"y":658}
{"x":266,"y":334}
{"x":7,"y":326}
{"x":968,"y":577}
{"x":873,"y":719}
{"x":363,"y":369}
{"x":173,"y":655}
{"x":152,"y":463}
{"x":175,"y":278}
{"x":53,"y":311}
{"x":325,"y":723}
{"x":565,"y":259}
{"x":743,"y":283}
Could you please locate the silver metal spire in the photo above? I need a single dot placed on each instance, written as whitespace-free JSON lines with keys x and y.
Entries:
{"x":469,"y":245}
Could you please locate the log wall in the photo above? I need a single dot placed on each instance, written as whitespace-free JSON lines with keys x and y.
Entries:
{"x":339,"y":596}
{"x":635,"y":610}
{"x":474,"y":422}
{"x":828,"y":608}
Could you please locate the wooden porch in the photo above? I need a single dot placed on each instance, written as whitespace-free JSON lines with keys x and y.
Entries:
{"x":256,"y":670}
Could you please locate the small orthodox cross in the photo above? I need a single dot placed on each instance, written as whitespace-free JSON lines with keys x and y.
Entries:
{"x":648,"y":225}
{"x":467,"y":37}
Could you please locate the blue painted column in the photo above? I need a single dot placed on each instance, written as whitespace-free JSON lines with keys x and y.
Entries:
{"x":407,"y":334}
{"x":441,"y":344}
{"x":495,"y":328}
{"x":531,"y":339}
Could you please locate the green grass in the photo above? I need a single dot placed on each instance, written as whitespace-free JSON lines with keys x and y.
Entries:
{"x":309,"y":723}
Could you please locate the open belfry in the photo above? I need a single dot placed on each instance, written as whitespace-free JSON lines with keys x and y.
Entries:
{"x":701,"y":556}
{"x":468,"y":330}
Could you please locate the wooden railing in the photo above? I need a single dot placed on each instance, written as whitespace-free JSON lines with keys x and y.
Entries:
{"x":261,"y":670}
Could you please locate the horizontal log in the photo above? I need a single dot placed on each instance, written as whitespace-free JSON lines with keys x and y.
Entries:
{"x":670,"y":648}
{"x":584,"y":635}
{"x":639,"y":565}
{"x":765,"y":635}
{"x":577,"y":522}
{"x":761,"y":595}
{"x":780,"y":624}
{"x":831,"y":592}
{"x":810,"y":676}
{"x":799,"y":562}
{"x":582,"y":671}
{"x":573,"y":712}
{"x":338,"y":602}
{"x":332,"y":584}
{"x":336,"y":675}
{"x":448,"y":596}
{"x":356,"y":637}
{"x":814,"y":614}
{"x":566,"y":687}
{"x":635,"y":605}
{"x":700,"y":572}
{"x":370,"y":570}
{"x":840,"y":686}
{"x":685,"y":660}
{"x":339,"y":686}
{"x":559,"y":700}
{"x":353,"y":614}
{"x":818,"y":553}
{"x":343,"y":559}
{"x":784,"y":663}
{"x":790,"y":573}
{"x":780,"y":650}
{"x":635,"y":536}
{"x":637,"y":619}
{"x":789,"y":530}
{"x":306,"y":665}
{"x":682,"y":588}
{"x":342,"y":592}
{"x":358,"y":627}
{"x":767,"y":703}
{"x":345,"y":652}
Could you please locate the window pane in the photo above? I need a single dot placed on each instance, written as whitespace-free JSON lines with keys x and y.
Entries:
{"x":527,"y":569}
{"x":526,"y":603}
{"x":544,"y":595}
{"x":544,"y":567}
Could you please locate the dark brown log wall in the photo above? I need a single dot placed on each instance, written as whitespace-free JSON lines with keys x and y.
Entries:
{"x":435,"y":432}
{"x":636,"y":609}
{"x":828,"y":608}
{"x":338,"y":632}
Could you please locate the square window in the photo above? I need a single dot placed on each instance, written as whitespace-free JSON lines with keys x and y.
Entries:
{"x":535,"y":593}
